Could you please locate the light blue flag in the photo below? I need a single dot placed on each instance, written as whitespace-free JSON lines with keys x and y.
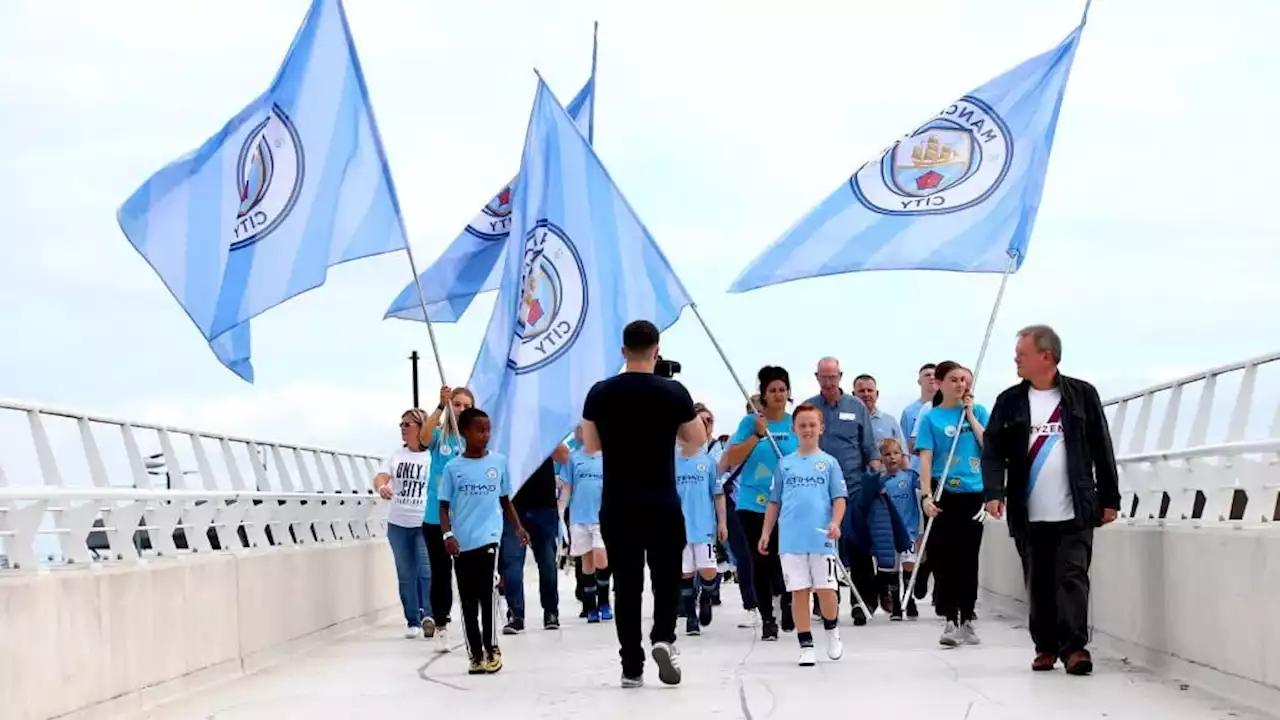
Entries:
{"x":583,"y":267}
{"x":959,"y":193}
{"x":295,"y":183}
{"x":469,"y":265}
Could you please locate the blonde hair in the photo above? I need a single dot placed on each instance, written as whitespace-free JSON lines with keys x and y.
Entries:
{"x":888,"y":444}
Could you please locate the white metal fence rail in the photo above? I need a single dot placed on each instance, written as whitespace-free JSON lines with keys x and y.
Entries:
{"x":1200,"y":480}
{"x":192,"y":496}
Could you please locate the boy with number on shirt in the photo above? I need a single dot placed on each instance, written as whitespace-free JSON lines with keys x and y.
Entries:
{"x":702,"y":504}
{"x":808,"y":503}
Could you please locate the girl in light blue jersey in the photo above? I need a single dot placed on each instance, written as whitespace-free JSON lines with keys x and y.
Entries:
{"x":443,"y":443}
{"x":750,"y":446}
{"x":807,"y":504}
{"x":957,"y":533}
{"x":475,"y":492}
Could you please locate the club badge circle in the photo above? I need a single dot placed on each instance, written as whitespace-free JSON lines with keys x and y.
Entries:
{"x":269,"y":174}
{"x":552,"y":305}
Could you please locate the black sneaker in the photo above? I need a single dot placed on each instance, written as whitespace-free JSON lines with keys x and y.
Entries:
{"x":859,"y":617}
{"x":704,"y":609}
{"x":769,"y":631}
{"x":584,"y":613}
{"x":788,"y":620}
{"x":912,"y":612}
{"x":513,"y":627}
{"x":691,"y":626}
{"x":550,"y":621}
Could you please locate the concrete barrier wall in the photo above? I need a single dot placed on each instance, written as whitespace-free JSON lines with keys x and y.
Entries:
{"x":94,"y":643}
{"x":1198,"y":604}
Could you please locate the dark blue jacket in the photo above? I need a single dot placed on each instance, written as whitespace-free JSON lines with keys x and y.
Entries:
{"x":873,"y":524}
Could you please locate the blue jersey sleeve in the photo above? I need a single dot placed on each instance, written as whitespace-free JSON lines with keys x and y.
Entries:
{"x":713,"y":479}
{"x":504,"y":481}
{"x":447,"y":483}
{"x":835,"y":480}
{"x":746,"y":428}
{"x":924,"y":438}
{"x":775,"y":493}
{"x":980,"y":412}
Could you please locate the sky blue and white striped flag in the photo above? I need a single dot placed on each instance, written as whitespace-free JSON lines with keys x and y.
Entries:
{"x":959,"y":193}
{"x":295,"y":183}
{"x":584,"y":267}
{"x":469,"y":266}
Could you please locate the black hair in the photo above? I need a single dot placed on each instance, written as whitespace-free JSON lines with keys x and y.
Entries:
{"x":941,"y":371}
{"x":639,"y":336}
{"x":926,"y":366}
{"x":468,"y":416}
{"x":768,"y":374}
{"x":865,"y":376}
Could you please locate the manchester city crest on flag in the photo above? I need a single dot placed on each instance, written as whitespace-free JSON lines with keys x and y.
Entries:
{"x":954,"y":161}
{"x":269,"y":177}
{"x":494,"y":220}
{"x":553,"y":298}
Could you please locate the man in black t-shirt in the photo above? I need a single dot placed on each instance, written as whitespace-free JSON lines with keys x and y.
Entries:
{"x":635,"y":418}
{"x":536,"y":505}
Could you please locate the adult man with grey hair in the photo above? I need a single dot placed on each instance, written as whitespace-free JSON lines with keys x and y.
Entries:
{"x":847,"y":436}
{"x":1047,"y":453}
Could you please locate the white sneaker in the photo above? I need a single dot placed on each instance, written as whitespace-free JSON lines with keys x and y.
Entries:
{"x":442,"y":640}
{"x":667,"y":657}
{"x":835,"y":646}
{"x":752,"y":621}
{"x":808,"y":658}
{"x":968,"y":635}
{"x":950,"y":635}
{"x":413,"y":633}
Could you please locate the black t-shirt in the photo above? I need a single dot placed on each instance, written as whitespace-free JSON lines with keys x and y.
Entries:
{"x":539,"y":491}
{"x":637,"y":416}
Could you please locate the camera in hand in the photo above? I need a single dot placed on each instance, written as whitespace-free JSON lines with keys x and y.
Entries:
{"x":666,"y":368}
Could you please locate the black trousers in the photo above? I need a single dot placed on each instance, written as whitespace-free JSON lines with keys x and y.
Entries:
{"x":477,"y":570}
{"x":441,"y":574}
{"x":635,"y":536}
{"x":1055,"y":566}
{"x":953,"y":554}
{"x":766,"y":569}
{"x":742,"y":555}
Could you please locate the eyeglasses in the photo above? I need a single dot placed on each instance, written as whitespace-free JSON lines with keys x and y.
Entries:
{"x":407,"y":424}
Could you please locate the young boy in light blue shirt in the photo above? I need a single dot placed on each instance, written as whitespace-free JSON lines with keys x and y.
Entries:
{"x":475,"y":491}
{"x":703,"y":506}
{"x":807,"y":504}
{"x":584,"y":485}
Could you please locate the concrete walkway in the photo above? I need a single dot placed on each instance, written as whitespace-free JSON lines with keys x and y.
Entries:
{"x":891,"y":671}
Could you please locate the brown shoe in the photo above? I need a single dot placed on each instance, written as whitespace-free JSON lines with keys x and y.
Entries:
{"x":1044,"y":662}
{"x":1079,"y":663}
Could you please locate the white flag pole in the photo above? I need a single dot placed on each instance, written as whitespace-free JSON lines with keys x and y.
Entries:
{"x":435,"y":350}
{"x":774,"y":443}
{"x":977,"y":367}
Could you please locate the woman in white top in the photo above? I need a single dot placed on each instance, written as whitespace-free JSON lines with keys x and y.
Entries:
{"x":403,"y":481}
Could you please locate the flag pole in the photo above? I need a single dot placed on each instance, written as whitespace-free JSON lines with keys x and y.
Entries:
{"x":758,"y":413}
{"x":977,"y":367}
{"x":435,"y":349}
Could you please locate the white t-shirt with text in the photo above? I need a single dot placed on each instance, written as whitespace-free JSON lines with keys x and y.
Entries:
{"x":1049,"y":494}
{"x":408,"y":471}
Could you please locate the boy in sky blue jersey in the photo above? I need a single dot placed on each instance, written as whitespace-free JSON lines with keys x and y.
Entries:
{"x":584,"y":486}
{"x":475,"y":491}
{"x":702,"y":504}
{"x":807,"y":504}
{"x":902,"y":487}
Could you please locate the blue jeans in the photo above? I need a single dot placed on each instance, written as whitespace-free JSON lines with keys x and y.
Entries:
{"x":412,"y":570}
{"x":740,"y":550}
{"x":543,"y":527}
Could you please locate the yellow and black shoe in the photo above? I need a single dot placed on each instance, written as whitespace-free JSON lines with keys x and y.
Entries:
{"x":479,"y":666}
{"x":494,"y":662}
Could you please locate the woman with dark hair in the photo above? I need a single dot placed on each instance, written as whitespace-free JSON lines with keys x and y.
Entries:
{"x":751,"y":448}
{"x":957,"y":533}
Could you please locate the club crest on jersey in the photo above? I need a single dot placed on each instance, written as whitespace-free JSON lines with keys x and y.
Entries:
{"x":494,"y":220}
{"x":446,"y":449}
{"x":269,"y":176}
{"x":953,"y":162}
{"x":491,"y":473}
{"x":702,"y":467}
{"x":950,"y":431}
{"x":820,"y":466}
{"x":553,"y":299}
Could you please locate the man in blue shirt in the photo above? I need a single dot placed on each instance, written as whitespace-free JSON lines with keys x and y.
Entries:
{"x":928,"y":386}
{"x":883,"y":425}
{"x":847,"y":436}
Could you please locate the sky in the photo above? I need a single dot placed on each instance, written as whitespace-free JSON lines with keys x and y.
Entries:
{"x":1152,"y":255}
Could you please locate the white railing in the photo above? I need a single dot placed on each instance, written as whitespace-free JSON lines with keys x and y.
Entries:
{"x":125,"y":506}
{"x":1196,"y":478}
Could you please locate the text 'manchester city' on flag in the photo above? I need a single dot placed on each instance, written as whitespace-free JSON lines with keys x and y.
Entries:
{"x":294,"y":184}
{"x":958,"y":193}
{"x":469,"y":266}
{"x":579,"y":266}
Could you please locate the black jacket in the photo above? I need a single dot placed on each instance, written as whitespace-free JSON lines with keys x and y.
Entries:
{"x":1091,"y":462}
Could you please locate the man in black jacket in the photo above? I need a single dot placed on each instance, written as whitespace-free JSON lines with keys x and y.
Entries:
{"x":1047,"y":452}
